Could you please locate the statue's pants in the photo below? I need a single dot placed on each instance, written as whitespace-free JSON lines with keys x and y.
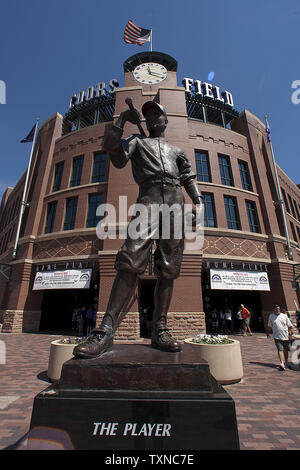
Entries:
{"x":163,"y":226}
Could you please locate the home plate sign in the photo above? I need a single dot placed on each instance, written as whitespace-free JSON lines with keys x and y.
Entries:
{"x":66,"y":279}
{"x":239,"y":280}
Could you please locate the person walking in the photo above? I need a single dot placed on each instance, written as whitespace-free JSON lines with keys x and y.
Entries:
{"x":228,"y":326}
{"x":239,"y":320}
{"x":222,"y":321}
{"x":215,"y":321}
{"x":91,"y":319}
{"x":246,"y":315}
{"x":281,"y":326}
{"x":74,"y":319}
{"x":79,"y":322}
{"x":84,"y":319}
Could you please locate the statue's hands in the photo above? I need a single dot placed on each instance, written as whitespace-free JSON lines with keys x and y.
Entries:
{"x":130,"y":115}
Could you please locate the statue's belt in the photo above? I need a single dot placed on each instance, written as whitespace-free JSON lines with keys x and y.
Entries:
{"x":161,"y":180}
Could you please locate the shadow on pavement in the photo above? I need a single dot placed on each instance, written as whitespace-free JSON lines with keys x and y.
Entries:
{"x":44,"y":376}
{"x":264,"y":364}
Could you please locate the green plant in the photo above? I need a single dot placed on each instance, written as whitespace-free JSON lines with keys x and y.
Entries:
{"x":72,"y":340}
{"x":211,"y":339}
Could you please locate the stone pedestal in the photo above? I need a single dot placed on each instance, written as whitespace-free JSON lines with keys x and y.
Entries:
{"x":135,"y":398}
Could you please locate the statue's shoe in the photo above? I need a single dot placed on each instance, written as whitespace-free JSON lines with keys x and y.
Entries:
{"x":162,"y":339}
{"x":96,"y":344}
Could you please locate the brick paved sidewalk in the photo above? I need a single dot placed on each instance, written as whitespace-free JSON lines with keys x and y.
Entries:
{"x":267,"y":401}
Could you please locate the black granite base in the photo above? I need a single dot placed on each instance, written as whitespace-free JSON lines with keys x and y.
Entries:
{"x":135,"y":398}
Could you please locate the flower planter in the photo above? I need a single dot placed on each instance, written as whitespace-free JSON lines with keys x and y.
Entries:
{"x":225,"y":360}
{"x":295,"y":353}
{"x":59,"y":353}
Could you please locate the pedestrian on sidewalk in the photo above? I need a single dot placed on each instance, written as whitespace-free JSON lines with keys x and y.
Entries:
{"x":280,"y":325}
{"x":239,"y":320}
{"x":222,"y":322}
{"x":228,"y":326}
{"x":91,"y":319}
{"x":79,"y":322}
{"x":246,"y":315}
{"x":74,"y":315}
{"x":215,"y":321}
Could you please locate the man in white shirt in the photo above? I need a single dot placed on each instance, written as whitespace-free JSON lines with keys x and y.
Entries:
{"x":228,"y":320}
{"x":281,"y":327}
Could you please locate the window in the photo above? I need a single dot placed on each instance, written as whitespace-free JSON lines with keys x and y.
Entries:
{"x":76,"y":172}
{"x":285,"y":201}
{"x":94,"y":201}
{"x":298,"y":230}
{"x":202,"y":166}
{"x":294,"y":232}
{"x":59,"y":168}
{"x":209,"y":210}
{"x":245,"y":175}
{"x":17,"y":207}
{"x":232,"y":215}
{"x":225,"y":170}
{"x":71,"y":208}
{"x":4,"y":246}
{"x":252,"y":217}
{"x":296,"y":209}
{"x":51,"y":210}
{"x":292,"y":206}
{"x":99,"y":168}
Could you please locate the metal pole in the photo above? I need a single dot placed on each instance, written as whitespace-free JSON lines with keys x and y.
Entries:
{"x":23,"y":203}
{"x":151,"y":40}
{"x":280,"y":200}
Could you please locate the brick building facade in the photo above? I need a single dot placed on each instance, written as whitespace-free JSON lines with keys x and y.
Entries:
{"x":70,"y":175}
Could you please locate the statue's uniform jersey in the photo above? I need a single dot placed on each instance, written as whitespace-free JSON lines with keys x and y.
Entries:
{"x":160,"y":169}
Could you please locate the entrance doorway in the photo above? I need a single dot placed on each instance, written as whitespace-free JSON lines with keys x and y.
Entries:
{"x":58,"y":306}
{"x":219,"y":299}
{"x":146,"y":306}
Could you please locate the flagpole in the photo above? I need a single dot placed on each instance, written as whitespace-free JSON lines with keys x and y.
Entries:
{"x":151,"y":40}
{"x":280,"y":200}
{"x":23,"y":202}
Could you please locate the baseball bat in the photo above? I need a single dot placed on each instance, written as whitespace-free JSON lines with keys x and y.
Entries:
{"x":128,"y":101}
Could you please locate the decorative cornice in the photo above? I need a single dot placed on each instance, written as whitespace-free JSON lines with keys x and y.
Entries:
{"x":237,"y":258}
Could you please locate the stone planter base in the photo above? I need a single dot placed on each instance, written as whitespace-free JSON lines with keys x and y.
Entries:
{"x":59,"y":353}
{"x":294,"y":356}
{"x":225,"y":360}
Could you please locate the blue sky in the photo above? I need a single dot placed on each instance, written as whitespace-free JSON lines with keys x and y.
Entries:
{"x":50,"y":50}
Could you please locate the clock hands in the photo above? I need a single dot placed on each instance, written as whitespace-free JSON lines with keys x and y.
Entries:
{"x":156,"y":74}
{"x":153,"y":73}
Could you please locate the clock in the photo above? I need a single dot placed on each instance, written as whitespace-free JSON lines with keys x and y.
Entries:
{"x":150,"y":73}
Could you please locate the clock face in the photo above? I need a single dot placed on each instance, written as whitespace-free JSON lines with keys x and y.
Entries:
{"x":150,"y":73}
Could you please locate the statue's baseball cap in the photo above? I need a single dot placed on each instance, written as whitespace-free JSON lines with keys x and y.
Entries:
{"x":152,"y":105}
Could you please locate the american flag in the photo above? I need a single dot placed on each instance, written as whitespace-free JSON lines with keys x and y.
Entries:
{"x":134,"y":34}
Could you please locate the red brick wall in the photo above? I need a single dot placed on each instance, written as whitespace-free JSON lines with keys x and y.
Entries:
{"x":246,"y":141}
